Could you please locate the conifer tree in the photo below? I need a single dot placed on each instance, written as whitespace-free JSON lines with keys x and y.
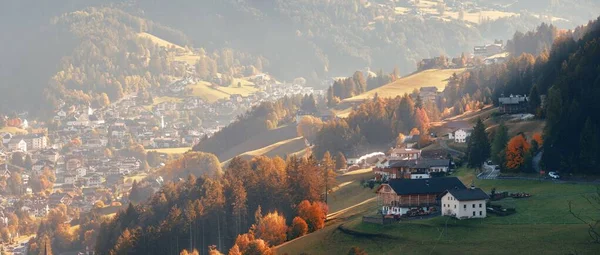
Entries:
{"x":478,"y":149}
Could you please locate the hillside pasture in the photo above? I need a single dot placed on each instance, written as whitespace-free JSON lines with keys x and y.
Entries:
{"x":432,"y":77}
{"x":541,"y":225}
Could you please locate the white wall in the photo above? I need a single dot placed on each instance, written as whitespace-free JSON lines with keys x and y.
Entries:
{"x":463,"y":209}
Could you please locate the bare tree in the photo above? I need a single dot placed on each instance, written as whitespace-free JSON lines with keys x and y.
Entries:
{"x":593,"y":224}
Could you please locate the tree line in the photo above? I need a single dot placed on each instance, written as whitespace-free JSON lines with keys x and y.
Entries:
{"x":258,"y":202}
{"x":375,"y":122}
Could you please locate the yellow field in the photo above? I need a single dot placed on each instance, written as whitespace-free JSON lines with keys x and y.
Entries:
{"x":477,"y":17}
{"x":432,"y":77}
{"x":430,"y":7}
{"x":207,"y":93}
{"x":211,"y":94}
{"x":13,"y":130}
{"x":189,"y":59}
{"x":401,"y":10}
{"x":137,"y":177}
{"x":244,"y":82}
{"x":161,"y":42}
{"x":171,"y":151}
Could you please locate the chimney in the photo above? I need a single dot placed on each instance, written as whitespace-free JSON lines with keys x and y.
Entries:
{"x":472,"y":186}
{"x":427,"y":182}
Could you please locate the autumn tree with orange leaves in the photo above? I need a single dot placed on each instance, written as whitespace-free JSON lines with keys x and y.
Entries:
{"x":516,"y":150}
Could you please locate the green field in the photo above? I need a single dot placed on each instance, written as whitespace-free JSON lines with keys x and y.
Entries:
{"x":432,"y":77}
{"x":213,"y":93}
{"x":542,"y":225}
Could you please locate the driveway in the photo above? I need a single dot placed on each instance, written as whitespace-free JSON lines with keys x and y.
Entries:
{"x":445,"y":146}
{"x":489,"y":172}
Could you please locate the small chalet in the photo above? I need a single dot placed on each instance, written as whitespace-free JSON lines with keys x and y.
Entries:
{"x":401,"y":195}
{"x":513,"y":104}
{"x":464,"y":203}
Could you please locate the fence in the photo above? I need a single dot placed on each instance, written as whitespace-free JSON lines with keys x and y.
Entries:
{"x":378,"y":220}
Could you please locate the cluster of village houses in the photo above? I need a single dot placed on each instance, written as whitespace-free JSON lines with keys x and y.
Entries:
{"x":412,"y":182}
{"x":84,"y":174}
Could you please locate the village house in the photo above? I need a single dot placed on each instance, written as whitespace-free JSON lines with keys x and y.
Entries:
{"x":464,"y":203}
{"x":6,"y":137}
{"x":59,"y":198}
{"x":513,"y":104}
{"x":487,"y":50}
{"x":398,"y":196}
{"x":34,"y":141}
{"x":73,"y":163}
{"x":460,"y":135}
{"x":39,"y":166}
{"x":404,"y":154}
{"x":92,"y":180}
{"x":17,"y":145}
{"x":48,"y":154}
{"x":69,"y":178}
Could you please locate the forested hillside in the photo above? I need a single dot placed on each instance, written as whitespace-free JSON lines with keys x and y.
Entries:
{"x":85,"y":53}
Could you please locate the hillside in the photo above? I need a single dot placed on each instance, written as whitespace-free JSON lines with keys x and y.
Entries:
{"x":532,"y":229}
{"x":260,"y":141}
{"x":282,"y":149}
{"x":404,"y":85}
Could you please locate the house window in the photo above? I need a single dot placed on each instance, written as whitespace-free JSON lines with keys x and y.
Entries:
{"x":465,"y":207}
{"x":454,"y":206}
{"x":473,"y":213}
{"x":473,"y":205}
{"x":479,"y":205}
{"x":480,"y":213}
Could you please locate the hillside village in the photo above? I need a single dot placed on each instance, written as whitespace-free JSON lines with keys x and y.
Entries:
{"x":77,"y":155}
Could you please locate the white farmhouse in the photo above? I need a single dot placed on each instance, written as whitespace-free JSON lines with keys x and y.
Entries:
{"x":464,"y":203}
{"x":460,"y":136}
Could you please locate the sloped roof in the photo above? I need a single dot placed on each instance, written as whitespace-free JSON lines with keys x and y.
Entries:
{"x":425,"y":186}
{"x":468,"y":194}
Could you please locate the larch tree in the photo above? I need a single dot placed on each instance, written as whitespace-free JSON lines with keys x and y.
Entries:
{"x":235,"y":250}
{"x":298,"y":228}
{"x":313,"y":213}
{"x":340,"y":161}
{"x":258,"y":247}
{"x":328,"y":167}
{"x":516,"y":151}
{"x":272,"y":228}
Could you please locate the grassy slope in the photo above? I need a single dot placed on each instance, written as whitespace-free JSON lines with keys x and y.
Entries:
{"x":542,"y":225}
{"x":202,"y":89}
{"x":286,"y":147}
{"x":212,"y":94}
{"x":260,"y":141}
{"x":432,"y":77}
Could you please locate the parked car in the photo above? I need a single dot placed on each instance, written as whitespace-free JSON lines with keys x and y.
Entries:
{"x":554,"y":175}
